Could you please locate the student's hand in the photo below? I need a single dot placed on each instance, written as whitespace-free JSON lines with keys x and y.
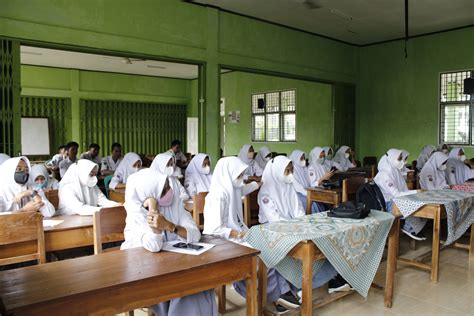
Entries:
{"x":22,"y":195}
{"x":260,"y":184}
{"x":236,"y":235}
{"x":328,"y":175}
{"x":32,"y":206}
{"x":152,"y":220}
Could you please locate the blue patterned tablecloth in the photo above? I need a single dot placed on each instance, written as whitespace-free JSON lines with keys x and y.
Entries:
{"x":353,"y":247}
{"x":458,"y":205}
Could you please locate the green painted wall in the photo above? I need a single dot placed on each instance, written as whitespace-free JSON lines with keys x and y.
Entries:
{"x":397,"y":98}
{"x":314,"y":119}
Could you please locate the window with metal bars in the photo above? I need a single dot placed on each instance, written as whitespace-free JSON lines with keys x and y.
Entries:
{"x":274,"y":116}
{"x":456,"y":109}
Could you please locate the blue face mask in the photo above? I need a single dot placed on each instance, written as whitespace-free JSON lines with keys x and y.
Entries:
{"x":42,"y":185}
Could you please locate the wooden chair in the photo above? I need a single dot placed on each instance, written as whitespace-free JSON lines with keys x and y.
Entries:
{"x":53,"y":197}
{"x":251,"y":208}
{"x":108,"y":223}
{"x":18,"y":228}
{"x":350,"y":187}
{"x":198,"y":209}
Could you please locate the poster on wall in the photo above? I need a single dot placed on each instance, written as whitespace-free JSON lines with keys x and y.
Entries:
{"x":234,"y":117}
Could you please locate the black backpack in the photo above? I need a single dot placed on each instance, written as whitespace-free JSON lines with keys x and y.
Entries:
{"x":370,"y":195}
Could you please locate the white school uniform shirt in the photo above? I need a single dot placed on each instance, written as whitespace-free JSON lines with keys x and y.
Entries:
{"x":75,"y":196}
{"x":55,"y":160}
{"x":301,"y":173}
{"x":316,"y":169}
{"x":431,"y":177}
{"x":424,"y":156}
{"x":147,"y":183}
{"x":196,"y":181}
{"x":457,"y":172}
{"x":64,"y":165}
{"x":3,"y":158}
{"x":159,"y":165}
{"x":40,"y":170}
{"x":88,"y":156}
{"x":261,"y":161}
{"x":9,"y":189}
{"x":390,"y":179}
{"x":108,"y":164}
{"x":343,"y":163}
{"x":277,"y":199}
{"x":243,"y":156}
{"x":124,"y":170}
{"x":223,"y":208}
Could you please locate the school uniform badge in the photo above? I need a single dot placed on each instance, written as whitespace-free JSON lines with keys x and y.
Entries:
{"x":265,"y":200}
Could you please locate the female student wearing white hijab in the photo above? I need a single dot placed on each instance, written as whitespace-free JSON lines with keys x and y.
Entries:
{"x":318,"y":169}
{"x":392,"y":184}
{"x":198,"y":175}
{"x":263,"y":156}
{"x":130,"y":164}
{"x":343,"y":159}
{"x":78,"y":191}
{"x":3,"y":158}
{"x":155,"y":215}
{"x":329,"y":162}
{"x":424,"y":156}
{"x":15,"y":191}
{"x":405,"y":170}
{"x":457,"y":172}
{"x":433,"y":174}
{"x":444,"y":148}
{"x":247,"y":154}
{"x":40,"y":179}
{"x":223,"y":216}
{"x":165,"y":163}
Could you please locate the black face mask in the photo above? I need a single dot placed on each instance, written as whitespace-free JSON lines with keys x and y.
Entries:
{"x":21,"y":177}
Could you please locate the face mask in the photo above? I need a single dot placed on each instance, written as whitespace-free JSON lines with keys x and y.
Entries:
{"x":329,"y":157}
{"x":41,"y":186}
{"x":267,"y":159}
{"x":442,"y":167}
{"x":167,"y":199}
{"x":21,"y":177}
{"x":250,"y":155}
{"x":206,"y":170}
{"x":288,"y":178}
{"x":347,"y":155}
{"x":303,"y":163}
{"x":445,"y":151}
{"x":91,"y":182}
{"x":462,"y":158}
{"x":399,"y":164}
{"x":169,"y":171}
{"x":320,"y":160}
{"x":238,"y":183}
{"x":136,"y":170}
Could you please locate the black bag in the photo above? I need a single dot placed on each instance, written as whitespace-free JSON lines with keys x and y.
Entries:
{"x":332,"y":184}
{"x":370,"y":195}
{"x":350,"y":210}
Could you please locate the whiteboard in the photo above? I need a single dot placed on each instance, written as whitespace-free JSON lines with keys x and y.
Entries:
{"x":34,"y":136}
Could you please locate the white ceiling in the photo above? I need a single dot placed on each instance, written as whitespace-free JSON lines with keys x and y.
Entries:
{"x":67,"y":59}
{"x":357,"y":21}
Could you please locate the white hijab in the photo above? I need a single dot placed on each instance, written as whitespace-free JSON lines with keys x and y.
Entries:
{"x":75,"y":179}
{"x":329,"y":163}
{"x":319,"y":169}
{"x":440,"y":147}
{"x":3,"y":158}
{"x":387,"y":168}
{"x":430,"y":176}
{"x":227,"y":170}
{"x":405,"y":155}
{"x":195,"y":172}
{"x":260,"y":158}
{"x":462,"y":173}
{"x":40,"y":170}
{"x":340,"y":158}
{"x":161,"y":161}
{"x":141,"y":186}
{"x":276,"y":189}
{"x":301,"y":174}
{"x":8,"y":186}
{"x":424,"y":156}
{"x":125,"y":168}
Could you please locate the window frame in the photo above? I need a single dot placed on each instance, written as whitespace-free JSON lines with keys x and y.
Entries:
{"x":265,"y":114}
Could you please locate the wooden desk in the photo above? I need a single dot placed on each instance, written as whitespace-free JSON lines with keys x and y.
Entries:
{"x":120,"y":281}
{"x":117,"y":195}
{"x":327,"y":196}
{"x":435,"y":212}
{"x":308,"y":252}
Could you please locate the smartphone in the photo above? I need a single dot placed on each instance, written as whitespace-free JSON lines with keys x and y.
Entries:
{"x":34,"y":194}
{"x":183,"y":245}
{"x":195,"y":247}
{"x":333,"y":169}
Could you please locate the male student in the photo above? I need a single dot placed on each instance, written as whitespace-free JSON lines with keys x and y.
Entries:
{"x":110,"y":163}
{"x":92,"y":154}
{"x":180,"y":158}
{"x":71,"y":149}
{"x":53,"y":164}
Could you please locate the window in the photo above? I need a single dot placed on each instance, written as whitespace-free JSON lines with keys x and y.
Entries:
{"x":274,"y":116}
{"x":456,"y":109}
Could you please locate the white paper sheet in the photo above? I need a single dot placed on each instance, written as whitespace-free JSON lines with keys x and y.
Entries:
{"x":51,"y":222}
{"x":168,"y":246}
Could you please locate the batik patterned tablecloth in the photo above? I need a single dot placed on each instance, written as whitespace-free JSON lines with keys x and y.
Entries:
{"x":466,"y":187}
{"x":458,"y":205}
{"x":353,"y":247}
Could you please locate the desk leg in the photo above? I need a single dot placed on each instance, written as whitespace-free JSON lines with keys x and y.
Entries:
{"x":308,"y":202}
{"x":262,"y":286}
{"x":393,"y":240}
{"x":251,"y":284}
{"x":435,"y":253}
{"x":221,"y":299}
{"x":471,"y":244}
{"x":307,"y":299}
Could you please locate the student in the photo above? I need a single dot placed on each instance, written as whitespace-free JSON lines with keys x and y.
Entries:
{"x":329,"y":162}
{"x":40,"y":179}
{"x":278,"y":201}
{"x":92,"y":154}
{"x":223,"y":216}
{"x":302,"y":180}
{"x":15,"y":191}
{"x":78,"y":192}
{"x":457,"y":172}
{"x":344,"y":159}
{"x":176,"y":151}
{"x":424,"y":156}
{"x":165,"y":163}
{"x":318,"y":169}
{"x":392,"y":184}
{"x":71,"y":150}
{"x":198,"y":175}
{"x":111,"y":163}
{"x":3,"y":158}
{"x":263,"y":156}
{"x":405,"y":170}
{"x":53,"y":164}
{"x":155,"y":215}
{"x":433,"y":174}
{"x":131,"y":163}
{"x":246,"y":155}
{"x":444,"y":148}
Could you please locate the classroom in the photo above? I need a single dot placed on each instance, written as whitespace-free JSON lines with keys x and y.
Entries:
{"x":236,"y":157}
